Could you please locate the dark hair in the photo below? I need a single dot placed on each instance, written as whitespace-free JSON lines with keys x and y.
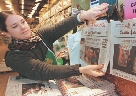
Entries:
{"x":3,"y":16}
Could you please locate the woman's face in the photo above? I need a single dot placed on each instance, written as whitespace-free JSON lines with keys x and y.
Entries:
{"x":17,"y":27}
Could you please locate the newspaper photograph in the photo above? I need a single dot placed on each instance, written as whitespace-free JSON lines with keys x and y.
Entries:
{"x":95,"y":44}
{"x":27,"y":87}
{"x":123,"y":49}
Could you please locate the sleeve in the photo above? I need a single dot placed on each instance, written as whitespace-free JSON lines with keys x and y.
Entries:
{"x":56,"y":31}
{"x":36,"y":69}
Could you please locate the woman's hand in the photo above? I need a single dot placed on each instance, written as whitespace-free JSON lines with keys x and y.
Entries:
{"x":93,"y":70}
{"x":93,"y":13}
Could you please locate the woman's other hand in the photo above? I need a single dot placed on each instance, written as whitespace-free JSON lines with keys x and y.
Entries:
{"x":94,"y":13}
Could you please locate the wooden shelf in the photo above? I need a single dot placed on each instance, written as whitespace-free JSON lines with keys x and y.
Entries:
{"x":4,"y":68}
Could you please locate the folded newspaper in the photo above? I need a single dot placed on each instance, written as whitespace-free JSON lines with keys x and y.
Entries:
{"x":95,"y":44}
{"x":27,"y":87}
{"x":84,"y":85}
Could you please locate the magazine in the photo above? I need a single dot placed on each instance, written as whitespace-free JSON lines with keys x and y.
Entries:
{"x":78,"y":5}
{"x":27,"y":87}
{"x":61,"y":51}
{"x":85,"y":85}
{"x":123,"y":49}
{"x":59,"y":46}
{"x":95,"y":44}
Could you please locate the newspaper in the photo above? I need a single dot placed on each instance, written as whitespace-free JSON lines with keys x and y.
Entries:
{"x":27,"y":87}
{"x":84,"y":85}
{"x":95,"y":44}
{"x":123,"y":49}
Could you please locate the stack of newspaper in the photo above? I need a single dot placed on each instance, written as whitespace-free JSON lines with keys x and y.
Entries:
{"x":84,"y":85}
{"x":27,"y":87}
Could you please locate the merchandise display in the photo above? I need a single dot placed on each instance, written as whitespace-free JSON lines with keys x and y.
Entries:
{"x":83,"y":85}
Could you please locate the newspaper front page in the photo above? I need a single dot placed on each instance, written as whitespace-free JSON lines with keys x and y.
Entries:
{"x":27,"y":87}
{"x":123,"y":49}
{"x":95,"y":44}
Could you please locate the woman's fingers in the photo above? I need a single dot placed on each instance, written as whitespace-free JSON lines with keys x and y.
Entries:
{"x":94,"y":13}
{"x":101,"y":11}
{"x":100,"y":7}
{"x":97,"y":73}
{"x":100,"y":66}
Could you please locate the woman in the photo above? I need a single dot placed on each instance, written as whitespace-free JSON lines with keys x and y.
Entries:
{"x":30,"y":53}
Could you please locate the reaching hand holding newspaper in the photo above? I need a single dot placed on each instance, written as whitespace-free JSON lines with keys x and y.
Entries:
{"x":94,"y":44}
